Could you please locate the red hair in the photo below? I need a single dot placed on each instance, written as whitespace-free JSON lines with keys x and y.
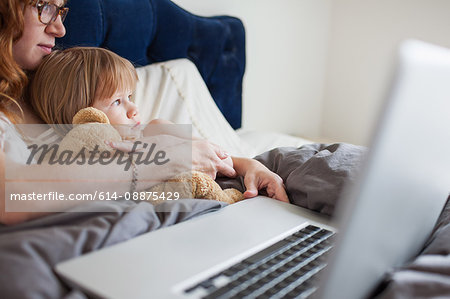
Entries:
{"x":12,"y":78}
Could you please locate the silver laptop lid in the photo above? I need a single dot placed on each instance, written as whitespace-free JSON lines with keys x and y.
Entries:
{"x":406,"y":178}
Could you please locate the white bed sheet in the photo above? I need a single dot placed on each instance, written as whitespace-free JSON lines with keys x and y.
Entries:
{"x":259,"y":141}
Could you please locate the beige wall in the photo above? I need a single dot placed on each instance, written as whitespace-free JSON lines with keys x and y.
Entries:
{"x":319,"y":68}
{"x":286,"y":44}
{"x":363,"y":39}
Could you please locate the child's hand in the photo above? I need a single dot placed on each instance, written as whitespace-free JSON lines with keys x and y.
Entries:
{"x":129,"y":132}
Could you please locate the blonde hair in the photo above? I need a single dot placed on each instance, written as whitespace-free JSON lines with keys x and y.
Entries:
{"x":12,"y":78}
{"x":69,"y":80}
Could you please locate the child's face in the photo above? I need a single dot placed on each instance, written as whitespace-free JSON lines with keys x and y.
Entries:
{"x":119,"y":109}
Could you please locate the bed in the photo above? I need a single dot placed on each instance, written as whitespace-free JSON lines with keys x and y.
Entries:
{"x":149,"y":33}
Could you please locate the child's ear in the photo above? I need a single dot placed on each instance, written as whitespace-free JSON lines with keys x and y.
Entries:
{"x":90,"y":115}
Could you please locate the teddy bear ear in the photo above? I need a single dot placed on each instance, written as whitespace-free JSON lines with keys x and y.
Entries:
{"x":90,"y":115}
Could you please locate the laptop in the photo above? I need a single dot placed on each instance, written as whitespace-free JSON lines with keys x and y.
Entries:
{"x":263,"y":248}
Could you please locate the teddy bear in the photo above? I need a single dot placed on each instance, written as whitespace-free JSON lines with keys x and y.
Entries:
{"x":196,"y":184}
{"x":93,"y":128}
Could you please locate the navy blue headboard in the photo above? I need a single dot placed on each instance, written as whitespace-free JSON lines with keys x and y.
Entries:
{"x":147,"y":31}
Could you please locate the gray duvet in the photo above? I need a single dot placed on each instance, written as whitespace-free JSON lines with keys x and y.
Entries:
{"x":313,"y":174}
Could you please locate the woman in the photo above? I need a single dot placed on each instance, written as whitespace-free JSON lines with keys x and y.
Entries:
{"x":28,"y":30}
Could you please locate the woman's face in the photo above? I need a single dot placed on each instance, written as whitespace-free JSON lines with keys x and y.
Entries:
{"x":37,"y":39}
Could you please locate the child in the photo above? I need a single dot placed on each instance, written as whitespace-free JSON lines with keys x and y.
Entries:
{"x":76,"y":78}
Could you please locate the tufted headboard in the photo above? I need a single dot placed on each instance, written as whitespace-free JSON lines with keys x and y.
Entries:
{"x":147,"y":31}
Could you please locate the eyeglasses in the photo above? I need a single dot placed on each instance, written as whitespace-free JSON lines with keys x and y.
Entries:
{"x":47,"y":12}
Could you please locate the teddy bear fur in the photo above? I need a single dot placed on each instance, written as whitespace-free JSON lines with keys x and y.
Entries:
{"x":93,"y":128}
{"x":197,"y":184}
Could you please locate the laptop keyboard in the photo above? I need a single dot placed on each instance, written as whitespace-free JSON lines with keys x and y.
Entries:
{"x":286,"y":269}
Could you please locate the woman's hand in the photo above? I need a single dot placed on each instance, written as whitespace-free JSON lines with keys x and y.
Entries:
{"x":209,"y":158}
{"x":257,"y":177}
{"x":143,"y":144}
{"x":206,"y":156}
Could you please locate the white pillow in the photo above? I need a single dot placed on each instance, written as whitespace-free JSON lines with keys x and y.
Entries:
{"x":175,"y":91}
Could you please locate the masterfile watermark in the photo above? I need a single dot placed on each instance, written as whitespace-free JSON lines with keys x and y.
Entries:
{"x":50,"y":154}
{"x":48,"y":168}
